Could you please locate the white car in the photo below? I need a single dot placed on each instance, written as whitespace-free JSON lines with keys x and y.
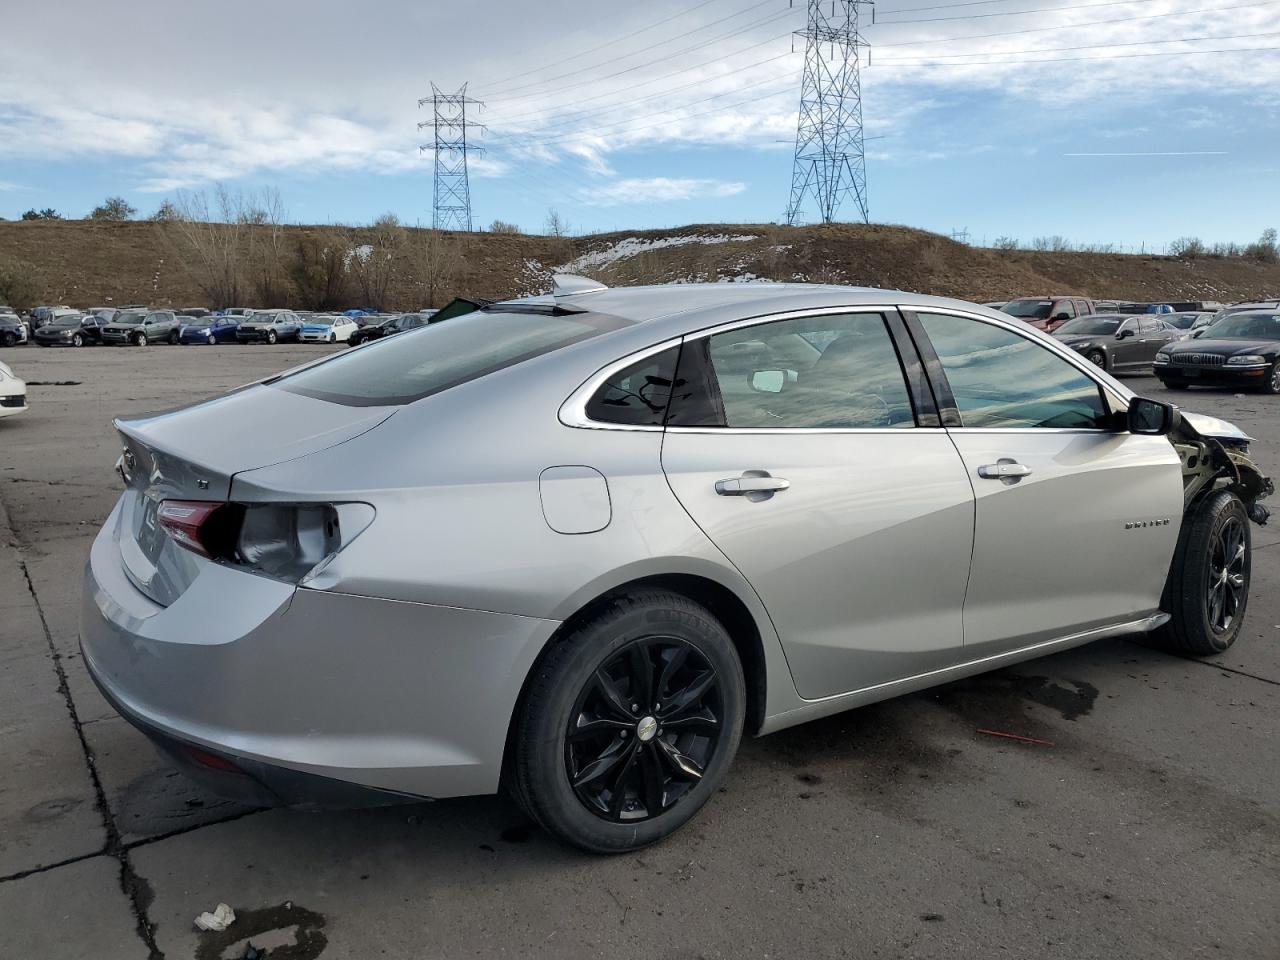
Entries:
{"x":322,"y":329}
{"x":13,"y":393}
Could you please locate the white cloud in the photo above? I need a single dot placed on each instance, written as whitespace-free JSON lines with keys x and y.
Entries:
{"x":656,"y":190}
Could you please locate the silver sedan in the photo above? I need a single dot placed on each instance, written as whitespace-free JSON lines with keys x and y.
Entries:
{"x":577,"y":545}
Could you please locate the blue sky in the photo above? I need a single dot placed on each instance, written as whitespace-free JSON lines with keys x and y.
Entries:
{"x":624,"y":116}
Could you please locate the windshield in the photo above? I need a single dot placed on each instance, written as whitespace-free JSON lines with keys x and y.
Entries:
{"x":1246,"y":326}
{"x":320,"y":321}
{"x":128,"y":319}
{"x":1038,"y":309}
{"x":199,"y":322}
{"x":1091,"y":326}
{"x":431,"y":359}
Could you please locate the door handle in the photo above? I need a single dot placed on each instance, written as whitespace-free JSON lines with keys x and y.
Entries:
{"x":1006,"y":470}
{"x":751,"y":483}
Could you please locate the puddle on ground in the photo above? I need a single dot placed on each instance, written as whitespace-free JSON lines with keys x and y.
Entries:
{"x":287,"y":932}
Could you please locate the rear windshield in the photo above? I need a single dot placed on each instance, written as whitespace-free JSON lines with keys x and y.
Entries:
{"x":1038,"y":309}
{"x":434,"y":358}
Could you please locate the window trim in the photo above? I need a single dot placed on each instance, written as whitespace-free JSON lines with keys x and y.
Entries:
{"x":573,"y":412}
{"x":948,"y":410}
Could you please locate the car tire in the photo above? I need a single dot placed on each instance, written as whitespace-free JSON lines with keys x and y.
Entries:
{"x":77,"y":340}
{"x":173,"y":338}
{"x":1097,"y":358}
{"x":7,"y":339}
{"x":140,"y":339}
{"x":1273,"y":379}
{"x":652,"y":641}
{"x":1208,"y":588}
{"x":271,"y":336}
{"x":211,"y":340}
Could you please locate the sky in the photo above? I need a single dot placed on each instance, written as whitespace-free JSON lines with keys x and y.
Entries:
{"x":1106,"y":122}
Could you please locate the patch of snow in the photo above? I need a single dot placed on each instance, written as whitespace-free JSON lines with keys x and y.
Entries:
{"x":634,"y":246}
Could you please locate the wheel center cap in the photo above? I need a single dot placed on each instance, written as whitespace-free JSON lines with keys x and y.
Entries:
{"x":646,"y":728}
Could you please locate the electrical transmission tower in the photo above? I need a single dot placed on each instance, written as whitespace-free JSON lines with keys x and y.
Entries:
{"x":451,"y":209}
{"x":830,"y":164}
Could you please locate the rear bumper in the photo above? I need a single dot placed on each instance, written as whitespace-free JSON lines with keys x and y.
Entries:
{"x":297,"y":688}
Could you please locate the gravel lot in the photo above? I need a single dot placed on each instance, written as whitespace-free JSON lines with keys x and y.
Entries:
{"x":1150,"y":827}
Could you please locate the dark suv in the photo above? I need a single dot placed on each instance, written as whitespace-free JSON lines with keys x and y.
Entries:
{"x":1048,"y":313}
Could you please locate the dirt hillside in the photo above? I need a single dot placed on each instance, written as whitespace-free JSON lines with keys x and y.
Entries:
{"x":83,"y":264}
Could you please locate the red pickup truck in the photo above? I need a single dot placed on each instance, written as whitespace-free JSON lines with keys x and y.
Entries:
{"x":1048,"y":313}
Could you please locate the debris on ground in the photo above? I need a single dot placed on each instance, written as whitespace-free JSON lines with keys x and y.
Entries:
{"x":221,"y":918}
{"x":252,"y":953}
{"x":1017,"y":736}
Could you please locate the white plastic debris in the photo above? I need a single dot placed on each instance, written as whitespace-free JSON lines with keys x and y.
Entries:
{"x":221,"y":918}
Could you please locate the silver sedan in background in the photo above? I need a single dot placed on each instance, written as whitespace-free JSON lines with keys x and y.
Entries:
{"x":577,"y":545}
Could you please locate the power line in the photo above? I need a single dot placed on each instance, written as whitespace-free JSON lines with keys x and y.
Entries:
{"x":1126,"y":56}
{"x":1010,"y":13}
{"x":666,"y":76}
{"x":1072,"y":26}
{"x":608,"y":43}
{"x":1085,"y":46}
{"x":605,"y":63}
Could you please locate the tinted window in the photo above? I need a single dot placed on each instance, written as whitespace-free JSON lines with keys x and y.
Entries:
{"x":637,"y":395}
{"x":1028,"y":309}
{"x":439,"y":356}
{"x":1064,"y":308}
{"x":827,"y":372}
{"x":1248,"y":326}
{"x":1001,"y":379}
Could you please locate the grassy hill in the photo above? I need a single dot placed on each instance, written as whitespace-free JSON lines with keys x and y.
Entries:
{"x":84,"y":263}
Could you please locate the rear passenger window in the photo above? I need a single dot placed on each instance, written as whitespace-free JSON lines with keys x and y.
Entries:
{"x":637,"y":395}
{"x":1001,"y":379}
{"x":811,"y":373}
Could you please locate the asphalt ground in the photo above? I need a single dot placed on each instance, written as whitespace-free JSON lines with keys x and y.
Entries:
{"x":1147,"y":825}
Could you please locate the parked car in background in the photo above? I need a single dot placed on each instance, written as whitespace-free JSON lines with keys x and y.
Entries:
{"x":136,"y":328}
{"x":43,"y":314}
{"x":241,"y":312}
{"x":195,"y":312}
{"x":104,"y":314}
{"x":76,"y":330}
{"x":1186,"y":319}
{"x":327,"y":329}
{"x":1048,"y":313}
{"x":209,"y":330}
{"x":270,"y":326}
{"x":13,"y":330}
{"x":615,"y":580}
{"x":995,"y":304}
{"x":13,"y":392}
{"x":387,"y":328}
{"x":1247,"y":307}
{"x":1240,"y":350}
{"x":1116,"y":342}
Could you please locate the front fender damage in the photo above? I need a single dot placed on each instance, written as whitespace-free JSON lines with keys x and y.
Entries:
{"x":1220,"y":461}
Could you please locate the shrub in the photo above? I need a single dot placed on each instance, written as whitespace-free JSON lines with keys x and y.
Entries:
{"x":1265,"y":248}
{"x":113,"y":210}
{"x":20,"y":283}
{"x":1006,"y":244}
{"x":501,"y":226}
{"x":1187,"y":248}
{"x":48,"y":213}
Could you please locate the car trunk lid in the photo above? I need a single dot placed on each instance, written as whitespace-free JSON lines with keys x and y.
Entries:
{"x":193,"y":454}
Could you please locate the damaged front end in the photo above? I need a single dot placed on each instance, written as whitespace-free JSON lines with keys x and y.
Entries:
{"x":1215,"y":456}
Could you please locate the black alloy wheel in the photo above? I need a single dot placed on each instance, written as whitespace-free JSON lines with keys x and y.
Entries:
{"x":1273,"y":379}
{"x":643,"y":729}
{"x":1226,"y":579}
{"x":1097,"y":358}
{"x":8,"y":339}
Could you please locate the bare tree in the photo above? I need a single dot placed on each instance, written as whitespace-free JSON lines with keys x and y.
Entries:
{"x":556,"y":225}
{"x":372,"y":259}
{"x":319,"y":272}
{"x":435,"y":258}
{"x":208,"y":237}
{"x":264,"y":214}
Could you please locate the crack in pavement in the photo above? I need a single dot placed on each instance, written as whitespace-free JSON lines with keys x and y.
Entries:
{"x":134,"y":887}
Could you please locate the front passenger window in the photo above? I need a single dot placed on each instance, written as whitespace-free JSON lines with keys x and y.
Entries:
{"x":1001,"y":379}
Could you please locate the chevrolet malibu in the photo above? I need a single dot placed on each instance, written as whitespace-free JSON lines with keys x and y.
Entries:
{"x":578,"y":545}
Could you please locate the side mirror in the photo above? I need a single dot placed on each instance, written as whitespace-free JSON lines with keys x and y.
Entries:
{"x":1151,"y":417}
{"x":768,"y":381}
{"x":1195,"y":334}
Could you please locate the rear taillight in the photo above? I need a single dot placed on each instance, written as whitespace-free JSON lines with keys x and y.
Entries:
{"x":282,"y":540}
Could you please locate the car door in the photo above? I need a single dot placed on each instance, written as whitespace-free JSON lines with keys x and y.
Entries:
{"x":828,"y":483}
{"x":1076,"y":520}
{"x":1126,"y":351}
{"x":1154,"y":333}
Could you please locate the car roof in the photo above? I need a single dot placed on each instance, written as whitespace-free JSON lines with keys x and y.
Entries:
{"x":639,"y":304}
